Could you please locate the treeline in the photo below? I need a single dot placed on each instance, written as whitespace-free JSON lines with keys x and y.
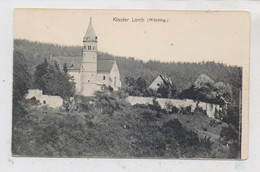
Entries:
{"x":36,"y":52}
{"x":203,"y":89}
{"x":183,"y":74}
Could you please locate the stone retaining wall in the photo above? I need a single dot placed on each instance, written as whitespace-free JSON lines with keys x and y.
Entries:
{"x":212,"y":110}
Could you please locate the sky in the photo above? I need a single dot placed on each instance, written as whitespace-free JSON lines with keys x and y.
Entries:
{"x":187,"y":36}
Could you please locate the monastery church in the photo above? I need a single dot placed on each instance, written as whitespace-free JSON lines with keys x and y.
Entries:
{"x":90,"y":71}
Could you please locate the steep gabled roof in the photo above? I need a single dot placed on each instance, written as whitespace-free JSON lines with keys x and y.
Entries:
{"x":166,"y":80}
{"x":90,"y":34}
{"x":104,"y":63}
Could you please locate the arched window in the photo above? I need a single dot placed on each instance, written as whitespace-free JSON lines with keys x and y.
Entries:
{"x":104,"y":77}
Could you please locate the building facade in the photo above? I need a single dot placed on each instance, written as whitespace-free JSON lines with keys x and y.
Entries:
{"x":161,"y":80}
{"x":91,"y":72}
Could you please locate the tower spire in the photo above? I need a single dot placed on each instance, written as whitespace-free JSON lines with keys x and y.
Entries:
{"x":90,"y":34}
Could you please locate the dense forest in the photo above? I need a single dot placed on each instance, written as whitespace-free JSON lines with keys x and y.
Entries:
{"x":183,"y":74}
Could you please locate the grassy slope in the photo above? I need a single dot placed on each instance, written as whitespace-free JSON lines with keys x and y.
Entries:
{"x":43,"y":119}
{"x":202,"y":125}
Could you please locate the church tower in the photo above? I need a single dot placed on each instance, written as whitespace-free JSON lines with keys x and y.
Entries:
{"x":88,"y":69}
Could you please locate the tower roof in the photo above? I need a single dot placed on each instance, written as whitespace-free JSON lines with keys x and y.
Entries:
{"x":90,"y":34}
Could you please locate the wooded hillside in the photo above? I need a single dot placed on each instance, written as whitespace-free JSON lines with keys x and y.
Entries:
{"x":183,"y":74}
{"x":111,"y":127}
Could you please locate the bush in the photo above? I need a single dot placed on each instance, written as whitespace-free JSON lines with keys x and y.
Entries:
{"x":199,"y":111}
{"x":213,"y":123}
{"x":232,"y":116}
{"x":171,"y":108}
{"x":187,"y":110}
{"x":108,"y":102}
{"x":232,"y":137}
{"x":149,"y":112}
{"x":187,"y":142}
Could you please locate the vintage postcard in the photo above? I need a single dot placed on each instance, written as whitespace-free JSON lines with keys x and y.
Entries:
{"x":130,"y":84}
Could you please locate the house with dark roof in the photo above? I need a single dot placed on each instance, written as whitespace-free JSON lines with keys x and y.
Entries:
{"x":91,"y":72}
{"x":161,"y":80}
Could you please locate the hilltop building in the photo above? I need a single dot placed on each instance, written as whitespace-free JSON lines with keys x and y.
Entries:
{"x":161,"y":80}
{"x":90,"y":71}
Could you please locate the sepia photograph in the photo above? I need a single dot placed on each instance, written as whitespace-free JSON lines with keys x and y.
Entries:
{"x":157,"y":84}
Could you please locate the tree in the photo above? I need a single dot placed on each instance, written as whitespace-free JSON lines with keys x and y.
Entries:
{"x":204,"y":81}
{"x":188,"y":93}
{"x":224,"y":90}
{"x":163,"y":91}
{"x":205,"y":89}
{"x":65,"y":68}
{"x":21,"y":77}
{"x":130,"y":85}
{"x":129,"y":81}
{"x":167,"y":91}
{"x":140,"y":84}
{"x":21,"y":84}
{"x":136,"y":87}
{"x":40,"y":76}
{"x":52,"y":81}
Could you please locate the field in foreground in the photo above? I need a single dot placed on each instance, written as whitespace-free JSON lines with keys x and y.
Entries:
{"x":115,"y":129}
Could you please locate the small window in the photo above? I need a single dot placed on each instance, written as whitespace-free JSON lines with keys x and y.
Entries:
{"x":158,"y":84}
{"x":88,"y":80}
{"x":89,"y":47}
{"x":104,"y":77}
{"x":44,"y":102}
{"x":92,"y":75}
